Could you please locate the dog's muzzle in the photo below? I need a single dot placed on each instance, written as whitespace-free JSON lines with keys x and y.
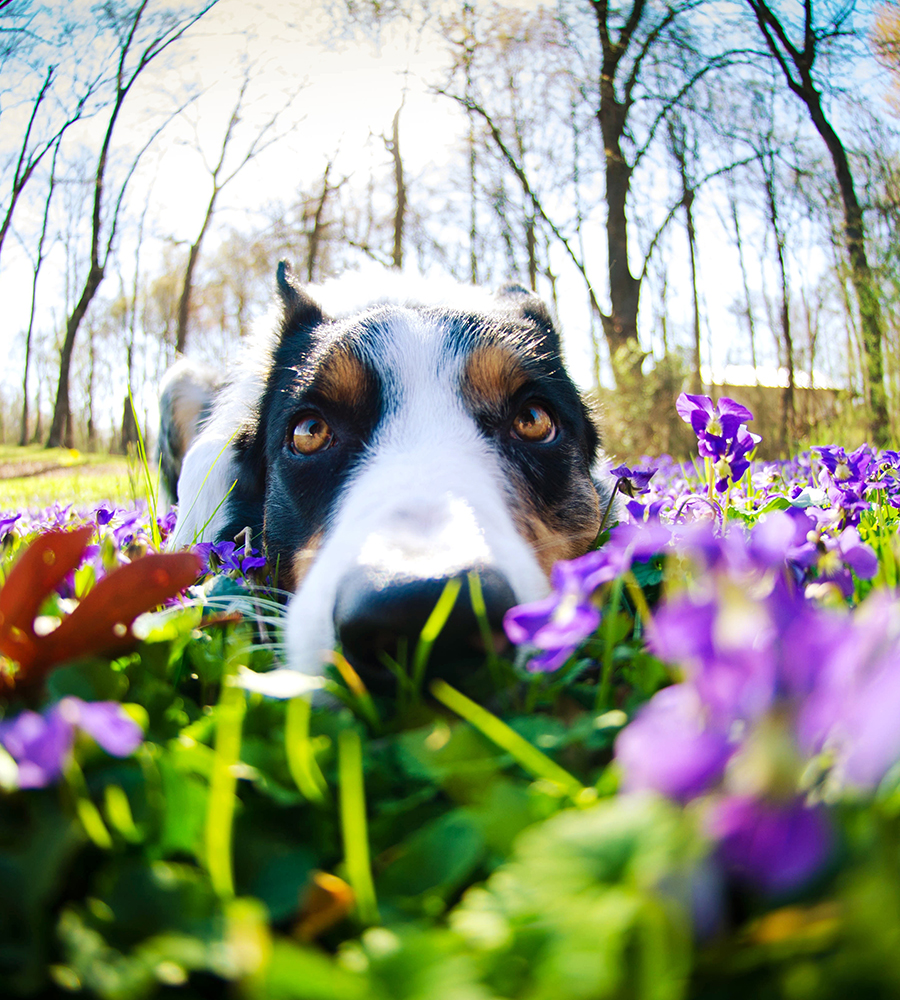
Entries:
{"x":375,"y":618}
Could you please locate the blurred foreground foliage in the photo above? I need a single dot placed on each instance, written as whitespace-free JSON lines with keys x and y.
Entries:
{"x":398,"y":849}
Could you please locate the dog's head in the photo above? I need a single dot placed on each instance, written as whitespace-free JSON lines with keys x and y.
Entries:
{"x":381,"y":453}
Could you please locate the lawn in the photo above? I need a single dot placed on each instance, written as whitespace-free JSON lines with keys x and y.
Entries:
{"x":34,"y":476}
{"x":684,"y":782}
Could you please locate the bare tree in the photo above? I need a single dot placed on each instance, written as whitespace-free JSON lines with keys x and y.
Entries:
{"x":796,"y":63}
{"x":106,"y":207}
{"x":221,"y":176}
{"x":630,"y":99}
{"x":742,"y":263}
{"x":37,"y":263}
{"x":767,"y":166}
{"x":678,"y":147}
{"x":393,"y":147}
{"x":52,"y":110}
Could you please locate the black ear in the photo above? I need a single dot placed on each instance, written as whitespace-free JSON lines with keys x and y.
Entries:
{"x":299,"y":309}
{"x":531,"y":307}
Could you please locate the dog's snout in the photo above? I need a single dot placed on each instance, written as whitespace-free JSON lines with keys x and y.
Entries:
{"x":374,"y":619}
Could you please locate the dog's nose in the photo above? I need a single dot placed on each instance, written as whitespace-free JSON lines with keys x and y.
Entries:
{"x":374,"y":618}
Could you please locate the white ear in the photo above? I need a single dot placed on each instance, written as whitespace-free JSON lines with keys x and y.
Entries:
{"x":207,"y":477}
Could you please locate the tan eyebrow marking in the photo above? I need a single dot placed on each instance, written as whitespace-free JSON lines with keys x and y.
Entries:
{"x":491,"y":375}
{"x":342,"y":377}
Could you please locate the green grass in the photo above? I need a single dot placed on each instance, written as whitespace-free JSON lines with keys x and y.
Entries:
{"x":67,"y":476}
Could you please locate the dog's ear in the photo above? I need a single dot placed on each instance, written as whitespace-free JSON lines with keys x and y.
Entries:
{"x":299,"y":309}
{"x":531,"y":307}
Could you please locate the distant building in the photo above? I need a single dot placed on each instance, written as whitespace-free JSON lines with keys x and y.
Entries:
{"x":761,"y":389}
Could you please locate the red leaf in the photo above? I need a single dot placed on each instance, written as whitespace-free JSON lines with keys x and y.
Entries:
{"x":102,"y":621}
{"x":40,"y":570}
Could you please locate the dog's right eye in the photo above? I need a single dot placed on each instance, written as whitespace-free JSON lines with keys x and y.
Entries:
{"x":310,"y":434}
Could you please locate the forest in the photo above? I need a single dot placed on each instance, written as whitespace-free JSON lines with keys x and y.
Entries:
{"x":705,"y":190}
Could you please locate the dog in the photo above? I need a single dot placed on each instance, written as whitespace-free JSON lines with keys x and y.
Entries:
{"x":376,"y":453}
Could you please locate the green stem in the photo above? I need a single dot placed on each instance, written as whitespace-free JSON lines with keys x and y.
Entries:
{"x":609,"y":623}
{"x":223,"y":783}
{"x":300,"y":756}
{"x":354,"y":827}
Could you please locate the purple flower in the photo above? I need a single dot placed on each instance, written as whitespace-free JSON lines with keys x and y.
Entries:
{"x":852,"y":711}
{"x":645,"y":512}
{"x":771,"y":846}
{"x":226,"y":557}
{"x":7,"y":524}
{"x":633,"y":481}
{"x":721,"y":435}
{"x":671,"y":748}
{"x":712,"y":424}
{"x":844,"y":468}
{"x":731,"y":465}
{"x":103,"y":514}
{"x":41,"y":744}
{"x":558,"y":624}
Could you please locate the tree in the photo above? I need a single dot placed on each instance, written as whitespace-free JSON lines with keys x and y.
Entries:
{"x":645,"y":66}
{"x":678,"y":147}
{"x":37,"y":264}
{"x":221,"y":176}
{"x":768,"y":169}
{"x":134,"y":55}
{"x":796,"y":63}
{"x":53,"y":107}
{"x":393,"y":147}
{"x":886,"y":44}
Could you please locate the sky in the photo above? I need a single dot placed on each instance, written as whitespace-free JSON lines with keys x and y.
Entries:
{"x":350,"y":90}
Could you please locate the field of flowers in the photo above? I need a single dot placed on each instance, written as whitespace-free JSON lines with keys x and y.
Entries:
{"x":685,"y":782}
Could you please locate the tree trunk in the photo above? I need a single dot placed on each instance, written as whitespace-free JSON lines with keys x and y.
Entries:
{"x":787,"y":397}
{"x":620,"y":326}
{"x":748,"y":312}
{"x":318,"y":226}
{"x":400,"y":185}
{"x":61,"y":425}
{"x":868,"y":302}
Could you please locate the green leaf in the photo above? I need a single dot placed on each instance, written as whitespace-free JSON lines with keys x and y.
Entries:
{"x":437,"y":859}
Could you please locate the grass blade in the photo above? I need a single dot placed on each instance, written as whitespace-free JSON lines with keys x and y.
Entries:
{"x":354,"y":827}
{"x":223,"y":787}
{"x":300,"y":757}
{"x":525,"y":754}
{"x":432,"y":629}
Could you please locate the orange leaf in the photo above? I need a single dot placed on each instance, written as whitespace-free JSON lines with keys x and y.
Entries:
{"x":102,"y":621}
{"x":327,"y":900}
{"x":40,"y":570}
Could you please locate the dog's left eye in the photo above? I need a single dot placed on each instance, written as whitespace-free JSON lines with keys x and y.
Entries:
{"x":533,"y":424}
{"x":311,"y":434}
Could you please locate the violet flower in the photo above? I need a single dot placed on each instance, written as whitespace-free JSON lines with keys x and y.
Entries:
{"x":771,"y":846}
{"x":721,"y":435}
{"x":226,"y":557}
{"x":712,"y":424}
{"x":773,"y":690}
{"x":7,"y":524}
{"x":558,"y":624}
{"x":632,"y":481}
{"x":41,"y":743}
{"x":671,"y":747}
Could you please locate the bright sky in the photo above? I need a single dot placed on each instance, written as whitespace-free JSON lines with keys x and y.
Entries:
{"x":353,"y":90}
